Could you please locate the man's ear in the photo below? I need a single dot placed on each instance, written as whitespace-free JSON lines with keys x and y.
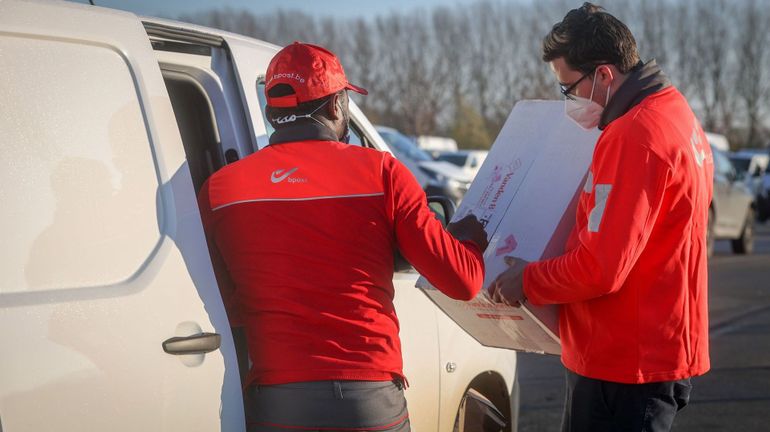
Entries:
{"x":333,"y":110}
{"x":606,"y":73}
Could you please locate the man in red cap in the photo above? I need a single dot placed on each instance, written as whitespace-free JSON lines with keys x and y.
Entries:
{"x":306,"y":229}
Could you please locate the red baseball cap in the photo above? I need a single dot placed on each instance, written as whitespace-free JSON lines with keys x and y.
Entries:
{"x":313,"y":72}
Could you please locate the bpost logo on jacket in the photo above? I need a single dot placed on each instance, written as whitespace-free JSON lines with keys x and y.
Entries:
{"x":280,"y":175}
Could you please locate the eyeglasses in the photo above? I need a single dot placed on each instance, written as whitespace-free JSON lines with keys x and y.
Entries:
{"x":567,"y":90}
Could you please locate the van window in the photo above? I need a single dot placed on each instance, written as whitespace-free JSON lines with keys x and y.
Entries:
{"x":79,"y":182}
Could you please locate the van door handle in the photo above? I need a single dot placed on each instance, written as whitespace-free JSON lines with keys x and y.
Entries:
{"x":201,"y":343}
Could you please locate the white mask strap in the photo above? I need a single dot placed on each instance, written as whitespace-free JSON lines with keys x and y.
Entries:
{"x":292,"y":118}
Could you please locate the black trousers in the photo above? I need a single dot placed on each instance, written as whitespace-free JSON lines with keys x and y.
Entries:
{"x":602,"y":406}
{"x":327,"y":406}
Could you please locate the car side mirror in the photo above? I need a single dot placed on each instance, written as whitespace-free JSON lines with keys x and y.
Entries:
{"x":444,"y":209}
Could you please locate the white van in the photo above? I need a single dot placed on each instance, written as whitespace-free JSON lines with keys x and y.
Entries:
{"x":110,"y":317}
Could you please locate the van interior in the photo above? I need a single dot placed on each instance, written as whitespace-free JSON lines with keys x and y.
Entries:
{"x":197,"y":126}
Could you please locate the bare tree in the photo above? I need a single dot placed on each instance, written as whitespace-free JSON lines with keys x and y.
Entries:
{"x":709,"y":75}
{"x":752,"y":84}
{"x":429,"y":71}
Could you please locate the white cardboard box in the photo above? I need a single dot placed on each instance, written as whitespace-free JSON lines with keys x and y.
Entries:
{"x":526,"y":194}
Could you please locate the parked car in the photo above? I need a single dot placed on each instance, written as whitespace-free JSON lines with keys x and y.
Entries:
{"x":110,"y":316}
{"x":468,"y":160}
{"x":718,"y":141}
{"x":439,"y":177}
{"x":751,"y":167}
{"x":405,"y":150}
{"x":763,"y":202}
{"x":732,"y":211}
{"x":434,"y":145}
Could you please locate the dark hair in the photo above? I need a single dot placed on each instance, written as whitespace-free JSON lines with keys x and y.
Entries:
{"x":589,"y":36}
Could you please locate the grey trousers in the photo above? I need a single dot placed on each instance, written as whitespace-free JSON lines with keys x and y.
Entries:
{"x":327,"y":406}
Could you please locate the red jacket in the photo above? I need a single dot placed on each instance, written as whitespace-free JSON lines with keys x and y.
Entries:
{"x":633,"y":284}
{"x":307,"y":231}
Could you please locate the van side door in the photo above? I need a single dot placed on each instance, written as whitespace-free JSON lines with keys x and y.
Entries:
{"x":110,"y":317}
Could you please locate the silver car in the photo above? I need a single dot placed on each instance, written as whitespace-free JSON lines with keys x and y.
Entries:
{"x":731,"y":215}
{"x":437,"y":177}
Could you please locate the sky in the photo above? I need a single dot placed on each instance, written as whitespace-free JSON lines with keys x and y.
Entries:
{"x":342,"y":8}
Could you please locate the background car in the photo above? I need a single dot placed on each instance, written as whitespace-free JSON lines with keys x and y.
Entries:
{"x":751,"y":168}
{"x":434,"y":145}
{"x":436,"y":177}
{"x":763,"y":201}
{"x":468,"y":160}
{"x":732,"y":211}
{"x":407,"y":152}
{"x":718,"y":141}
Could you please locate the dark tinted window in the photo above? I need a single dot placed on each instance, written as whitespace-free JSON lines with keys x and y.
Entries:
{"x":741,"y":164}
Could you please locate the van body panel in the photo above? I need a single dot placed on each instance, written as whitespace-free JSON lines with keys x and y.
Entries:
{"x":111,"y":258}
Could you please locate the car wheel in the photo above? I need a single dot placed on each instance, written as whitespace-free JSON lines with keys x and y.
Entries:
{"x":478,"y":414}
{"x":745,"y":243}
{"x":710,"y":234}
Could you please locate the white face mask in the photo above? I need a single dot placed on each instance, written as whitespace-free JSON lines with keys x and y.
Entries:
{"x":584,"y":111}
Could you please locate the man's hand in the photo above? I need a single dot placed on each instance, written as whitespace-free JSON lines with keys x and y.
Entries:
{"x":469,"y":228}
{"x":508,"y":287}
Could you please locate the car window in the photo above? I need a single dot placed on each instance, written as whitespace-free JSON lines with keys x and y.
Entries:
{"x":741,"y":164}
{"x":80,"y":183}
{"x":456,"y":159}
{"x":722,"y":164}
{"x":404,"y":146}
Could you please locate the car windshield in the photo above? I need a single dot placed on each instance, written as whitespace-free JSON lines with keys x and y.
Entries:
{"x":453,"y":158}
{"x":741,"y":164}
{"x":402,"y":144}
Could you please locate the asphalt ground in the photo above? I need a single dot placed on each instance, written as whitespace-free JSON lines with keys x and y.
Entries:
{"x":735,"y":394}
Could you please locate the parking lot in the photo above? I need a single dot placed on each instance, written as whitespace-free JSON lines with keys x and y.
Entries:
{"x":735,"y":394}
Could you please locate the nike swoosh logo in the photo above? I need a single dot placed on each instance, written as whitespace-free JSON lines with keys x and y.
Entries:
{"x":280,"y":175}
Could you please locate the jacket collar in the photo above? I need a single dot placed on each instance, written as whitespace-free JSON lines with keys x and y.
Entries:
{"x":309,"y":131}
{"x":644,"y":80}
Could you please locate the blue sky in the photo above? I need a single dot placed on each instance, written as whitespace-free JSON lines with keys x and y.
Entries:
{"x":344,"y":8}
